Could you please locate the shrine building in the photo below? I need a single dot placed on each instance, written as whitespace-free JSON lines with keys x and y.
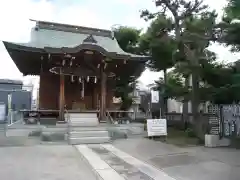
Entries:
{"x":77,"y":66}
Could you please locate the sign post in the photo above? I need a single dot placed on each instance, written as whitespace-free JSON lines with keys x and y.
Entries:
{"x":156,"y":127}
{"x":10,"y":108}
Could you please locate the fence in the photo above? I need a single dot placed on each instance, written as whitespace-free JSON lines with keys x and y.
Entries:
{"x":230,"y":120}
{"x":210,"y":120}
{"x":14,"y":117}
{"x":223,"y":120}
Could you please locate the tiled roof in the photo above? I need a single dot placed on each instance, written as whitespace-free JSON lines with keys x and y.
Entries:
{"x":55,"y":35}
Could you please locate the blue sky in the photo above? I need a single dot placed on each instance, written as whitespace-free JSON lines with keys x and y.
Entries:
{"x":15,"y":24}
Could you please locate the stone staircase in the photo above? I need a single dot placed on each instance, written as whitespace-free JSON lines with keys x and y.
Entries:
{"x":84,"y":128}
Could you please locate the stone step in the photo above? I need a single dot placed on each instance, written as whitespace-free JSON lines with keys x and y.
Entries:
{"x":87,"y":128}
{"x":89,"y":140}
{"x":56,"y":129}
{"x":83,"y":124}
{"x":95,"y":118}
{"x":74,"y":120}
{"x":81,"y":134}
{"x":83,"y":120}
{"x":81,"y":115}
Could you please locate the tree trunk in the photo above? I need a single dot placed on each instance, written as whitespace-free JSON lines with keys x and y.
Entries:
{"x":178,"y":38}
{"x":185,"y":105}
{"x":195,"y":98}
{"x":197,"y":119}
{"x":165,"y":99}
{"x":165,"y":76}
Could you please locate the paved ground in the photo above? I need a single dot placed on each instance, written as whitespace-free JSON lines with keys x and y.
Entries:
{"x":60,"y":162}
{"x":43,"y":163}
{"x":193,"y":163}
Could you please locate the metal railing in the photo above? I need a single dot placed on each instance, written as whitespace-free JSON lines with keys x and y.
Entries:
{"x":110,"y":117}
{"x":14,"y":117}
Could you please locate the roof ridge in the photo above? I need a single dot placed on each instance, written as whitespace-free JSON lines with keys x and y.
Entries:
{"x":71,"y":28}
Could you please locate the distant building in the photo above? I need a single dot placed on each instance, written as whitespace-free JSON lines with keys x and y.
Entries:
{"x":20,"y":99}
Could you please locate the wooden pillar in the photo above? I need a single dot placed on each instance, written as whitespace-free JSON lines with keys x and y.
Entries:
{"x":95,"y":97}
{"x":61,"y":98}
{"x":103,"y":79}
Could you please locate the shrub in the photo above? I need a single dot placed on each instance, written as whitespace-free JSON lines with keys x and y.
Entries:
{"x":190,"y":133}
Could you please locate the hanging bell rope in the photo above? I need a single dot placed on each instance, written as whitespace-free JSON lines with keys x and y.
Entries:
{"x":72,"y":78}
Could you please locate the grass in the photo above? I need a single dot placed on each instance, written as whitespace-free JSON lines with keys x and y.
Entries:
{"x":178,"y":138}
{"x":235,"y":143}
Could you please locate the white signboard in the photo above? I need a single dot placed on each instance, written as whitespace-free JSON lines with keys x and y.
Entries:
{"x":2,"y":112}
{"x":154,"y":96}
{"x":157,"y":127}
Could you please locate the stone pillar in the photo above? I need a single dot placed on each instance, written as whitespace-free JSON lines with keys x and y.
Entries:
{"x":61,"y":98}
{"x":103,"y":79}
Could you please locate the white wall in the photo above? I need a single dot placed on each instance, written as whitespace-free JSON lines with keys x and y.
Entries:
{"x":174,"y":106}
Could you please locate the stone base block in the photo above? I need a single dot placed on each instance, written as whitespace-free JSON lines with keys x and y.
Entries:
{"x":215,"y":141}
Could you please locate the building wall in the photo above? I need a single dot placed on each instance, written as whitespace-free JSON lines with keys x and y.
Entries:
{"x":20,"y":99}
{"x":10,"y":86}
{"x":49,"y":94}
{"x":174,"y":106}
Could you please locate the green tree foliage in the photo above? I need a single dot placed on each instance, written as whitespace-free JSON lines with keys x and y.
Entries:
{"x":220,"y":83}
{"x":223,"y":83}
{"x":173,"y":88}
{"x":230,"y":25}
{"x":192,"y":27}
{"x":161,"y":45}
{"x":232,"y":10}
{"x":184,"y":14}
{"x":128,"y":40}
{"x":223,"y":80}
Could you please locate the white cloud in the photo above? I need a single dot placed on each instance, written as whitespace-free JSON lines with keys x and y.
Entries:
{"x":81,"y":15}
{"x":15,"y":26}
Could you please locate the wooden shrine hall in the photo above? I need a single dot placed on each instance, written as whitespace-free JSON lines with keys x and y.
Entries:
{"x":77,"y":66}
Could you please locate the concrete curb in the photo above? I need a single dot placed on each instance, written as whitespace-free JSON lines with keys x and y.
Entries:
{"x":102,"y":170}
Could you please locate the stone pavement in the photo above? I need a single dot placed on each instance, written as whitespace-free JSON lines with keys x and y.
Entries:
{"x":111,"y":163}
{"x":191,"y":163}
{"x":51,"y":162}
